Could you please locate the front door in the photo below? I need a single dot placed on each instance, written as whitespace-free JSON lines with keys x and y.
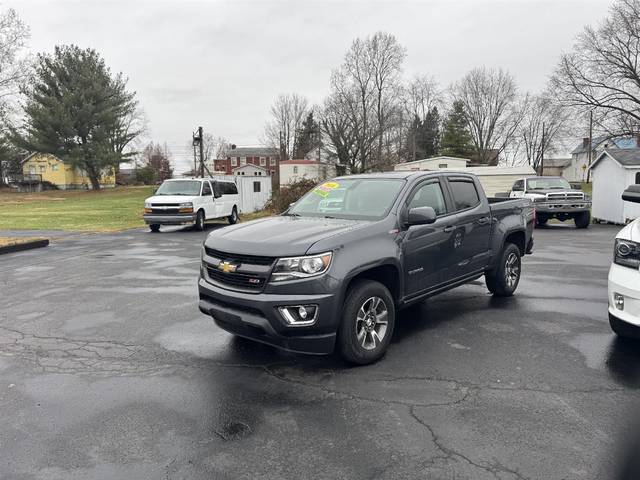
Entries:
{"x":207,"y":200}
{"x":427,"y":248}
{"x":472,"y":228}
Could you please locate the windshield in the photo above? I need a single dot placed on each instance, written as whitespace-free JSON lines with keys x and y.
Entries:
{"x":187,"y":187}
{"x":356,"y":199}
{"x":547,"y":183}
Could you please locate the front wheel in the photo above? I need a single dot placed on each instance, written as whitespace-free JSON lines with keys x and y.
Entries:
{"x":154,"y":227}
{"x":503,"y":281}
{"x":233,"y":218}
{"x":368,"y":318}
{"x":582,"y":220}
{"x":199,"y":225}
{"x":541,"y":221}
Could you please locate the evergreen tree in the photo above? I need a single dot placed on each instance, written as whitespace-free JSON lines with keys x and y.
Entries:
{"x":307,"y":138}
{"x":456,"y":139}
{"x":75,"y":109}
{"x":429,"y":134}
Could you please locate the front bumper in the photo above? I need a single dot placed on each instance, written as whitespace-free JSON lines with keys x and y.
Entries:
{"x":256,"y":316}
{"x":625,"y":281}
{"x":551,"y":208}
{"x":173,"y":219}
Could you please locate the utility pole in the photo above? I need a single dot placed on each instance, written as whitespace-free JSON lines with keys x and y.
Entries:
{"x":201,"y":152}
{"x":590,"y":144}
{"x":542,"y":145}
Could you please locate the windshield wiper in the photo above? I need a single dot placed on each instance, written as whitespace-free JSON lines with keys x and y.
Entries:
{"x":292,"y":214}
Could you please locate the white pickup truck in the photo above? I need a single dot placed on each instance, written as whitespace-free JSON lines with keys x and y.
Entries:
{"x":191,"y":201}
{"x":624,"y":276}
{"x":553,"y":197}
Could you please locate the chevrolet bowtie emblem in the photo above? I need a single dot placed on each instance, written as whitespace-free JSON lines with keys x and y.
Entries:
{"x":227,"y":267}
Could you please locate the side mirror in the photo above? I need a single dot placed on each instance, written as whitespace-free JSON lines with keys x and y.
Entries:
{"x":632,"y":194}
{"x":421,"y":216}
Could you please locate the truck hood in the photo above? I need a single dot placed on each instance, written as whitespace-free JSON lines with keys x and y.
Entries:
{"x":280,"y":236}
{"x":169,"y":199}
{"x":631,"y":231}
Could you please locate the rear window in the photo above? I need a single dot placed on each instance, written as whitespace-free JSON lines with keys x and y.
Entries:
{"x":464,"y":194}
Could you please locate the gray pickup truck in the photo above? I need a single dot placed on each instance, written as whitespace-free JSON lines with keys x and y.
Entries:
{"x":333,"y":269}
{"x":553,"y":197}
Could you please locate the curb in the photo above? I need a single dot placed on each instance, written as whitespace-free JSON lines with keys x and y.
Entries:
{"x":24,"y":246}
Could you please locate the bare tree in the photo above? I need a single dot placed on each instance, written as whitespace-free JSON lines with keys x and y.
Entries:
{"x":288,"y":112}
{"x":542,"y":130}
{"x":489,"y":98}
{"x":602,"y":72}
{"x":340,"y":124}
{"x":420,"y":95}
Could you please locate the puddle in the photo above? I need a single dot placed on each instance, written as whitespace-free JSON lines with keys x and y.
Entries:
{"x":594,"y":347}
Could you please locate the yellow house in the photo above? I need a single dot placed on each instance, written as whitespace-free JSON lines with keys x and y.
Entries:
{"x":49,"y":168}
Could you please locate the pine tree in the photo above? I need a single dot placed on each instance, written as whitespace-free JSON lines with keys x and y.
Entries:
{"x":456,"y":139}
{"x":429,"y":134}
{"x":74,"y":107}
{"x":307,"y":138}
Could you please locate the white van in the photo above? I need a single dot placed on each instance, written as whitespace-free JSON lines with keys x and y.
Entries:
{"x":624,"y":276}
{"x":191,"y":201}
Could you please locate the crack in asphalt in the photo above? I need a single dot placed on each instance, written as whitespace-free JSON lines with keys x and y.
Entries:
{"x":449,"y":453}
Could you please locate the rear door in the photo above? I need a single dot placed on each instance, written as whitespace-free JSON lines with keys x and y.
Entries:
{"x":472,"y":228}
{"x":427,"y":248}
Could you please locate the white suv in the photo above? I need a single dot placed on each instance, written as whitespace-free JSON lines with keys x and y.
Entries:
{"x":624,"y":276}
{"x":191,"y":201}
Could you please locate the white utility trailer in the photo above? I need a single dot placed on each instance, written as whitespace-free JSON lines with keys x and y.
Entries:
{"x":254,"y":191}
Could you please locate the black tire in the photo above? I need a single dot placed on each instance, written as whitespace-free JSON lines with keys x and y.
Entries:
{"x":582,"y":220}
{"x":541,"y":221}
{"x":504,"y":280}
{"x":356,"y":340}
{"x":623,"y":329}
{"x":199,"y":225}
{"x":233,"y":218}
{"x":154,"y":227}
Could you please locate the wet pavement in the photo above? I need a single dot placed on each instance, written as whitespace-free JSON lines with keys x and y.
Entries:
{"x":108,"y":370}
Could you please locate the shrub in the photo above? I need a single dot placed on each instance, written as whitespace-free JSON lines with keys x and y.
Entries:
{"x":288,"y":194}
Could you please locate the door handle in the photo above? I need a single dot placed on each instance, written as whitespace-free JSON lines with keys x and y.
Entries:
{"x":449,"y":228}
{"x":483,"y":220}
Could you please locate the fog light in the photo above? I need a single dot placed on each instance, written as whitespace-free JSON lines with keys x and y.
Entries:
{"x":299,"y":315}
{"x":618,"y":301}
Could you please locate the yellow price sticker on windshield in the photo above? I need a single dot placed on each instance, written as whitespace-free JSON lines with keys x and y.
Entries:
{"x":330,"y":185}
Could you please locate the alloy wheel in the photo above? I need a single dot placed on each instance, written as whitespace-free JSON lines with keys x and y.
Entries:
{"x":512,"y":270}
{"x":371,"y":323}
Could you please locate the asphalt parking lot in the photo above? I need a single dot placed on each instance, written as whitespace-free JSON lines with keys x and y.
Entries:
{"x":108,"y":370}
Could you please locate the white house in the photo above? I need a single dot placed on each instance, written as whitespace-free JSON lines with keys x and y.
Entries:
{"x":577,"y":170}
{"x":250,"y":170}
{"x":612,"y":172}
{"x":293,"y":170}
{"x":435,"y":163}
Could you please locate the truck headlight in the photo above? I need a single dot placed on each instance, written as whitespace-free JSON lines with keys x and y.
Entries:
{"x":186,"y":207}
{"x":301,"y":267}
{"x":147,"y":205}
{"x":539,"y":199}
{"x":627,"y":253}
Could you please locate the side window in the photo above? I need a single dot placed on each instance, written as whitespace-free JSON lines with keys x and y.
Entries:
{"x":229,"y":188}
{"x":429,"y":195}
{"x":464,"y":193}
{"x":256,"y":187}
{"x":206,"y":189}
{"x":518,"y":186}
{"x":216,"y":190}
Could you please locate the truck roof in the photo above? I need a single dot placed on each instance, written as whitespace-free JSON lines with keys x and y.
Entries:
{"x":403,"y":174}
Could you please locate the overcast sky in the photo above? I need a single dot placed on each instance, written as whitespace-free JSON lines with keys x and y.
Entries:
{"x":220,"y":64}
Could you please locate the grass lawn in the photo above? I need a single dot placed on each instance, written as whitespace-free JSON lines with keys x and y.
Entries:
{"x":106,"y":210}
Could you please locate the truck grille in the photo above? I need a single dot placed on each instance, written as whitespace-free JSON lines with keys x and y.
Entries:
{"x":165,"y":211}
{"x":565,"y":196}
{"x":250,"y":272}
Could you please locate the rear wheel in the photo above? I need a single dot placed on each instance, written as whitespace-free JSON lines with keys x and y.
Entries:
{"x":503,"y":281}
{"x":199,"y":225}
{"x":368,"y":318}
{"x":582,"y":220}
{"x":154,"y":227}
{"x":233,"y":218}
